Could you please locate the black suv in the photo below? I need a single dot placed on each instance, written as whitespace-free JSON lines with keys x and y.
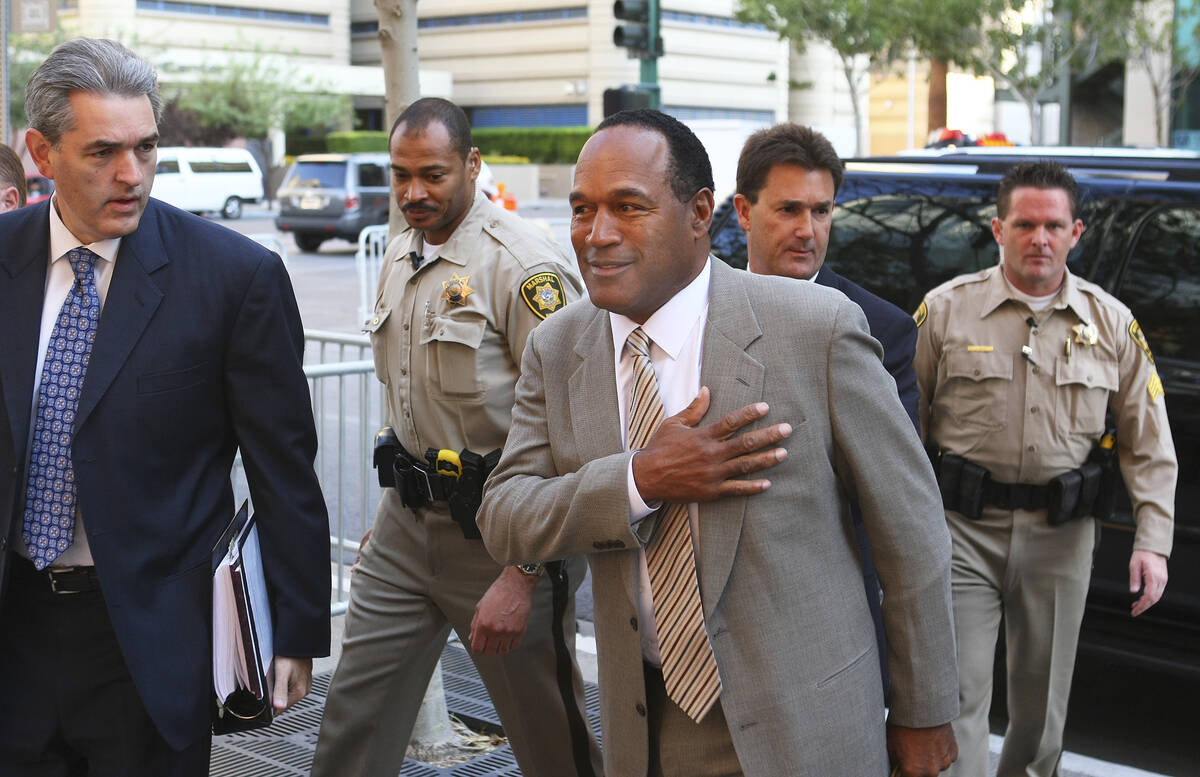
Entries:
{"x":333,"y":195}
{"x":905,"y":224}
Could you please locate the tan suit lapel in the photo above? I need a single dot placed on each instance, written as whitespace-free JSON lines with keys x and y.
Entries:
{"x":735,"y":379}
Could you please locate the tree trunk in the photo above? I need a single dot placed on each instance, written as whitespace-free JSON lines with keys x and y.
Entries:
{"x":937,"y":95}
{"x":432,"y":735}
{"x":849,"y":69}
{"x":401,"y":66}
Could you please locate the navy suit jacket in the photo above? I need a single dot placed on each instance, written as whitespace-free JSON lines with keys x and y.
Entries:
{"x":198,"y":353}
{"x":896,"y":332}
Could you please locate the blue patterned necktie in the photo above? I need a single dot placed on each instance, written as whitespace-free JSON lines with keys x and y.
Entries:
{"x":49,"y":526}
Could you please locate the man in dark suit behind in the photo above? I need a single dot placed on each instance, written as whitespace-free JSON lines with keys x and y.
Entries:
{"x":787,"y":178}
{"x":140,"y":347}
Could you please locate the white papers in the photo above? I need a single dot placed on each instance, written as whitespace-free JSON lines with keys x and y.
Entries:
{"x":242,"y":635}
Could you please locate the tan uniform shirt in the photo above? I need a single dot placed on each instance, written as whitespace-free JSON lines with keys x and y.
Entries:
{"x":451,"y":365}
{"x":1029,"y":419}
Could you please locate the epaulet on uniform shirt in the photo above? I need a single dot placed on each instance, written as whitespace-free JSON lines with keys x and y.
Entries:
{"x":527,"y":244}
{"x":962,"y":280}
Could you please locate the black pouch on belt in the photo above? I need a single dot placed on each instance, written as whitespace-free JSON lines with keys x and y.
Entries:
{"x":1062,"y":497}
{"x":970,"y":490}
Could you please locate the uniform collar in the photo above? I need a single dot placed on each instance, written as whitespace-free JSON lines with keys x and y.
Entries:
{"x":999,"y":292}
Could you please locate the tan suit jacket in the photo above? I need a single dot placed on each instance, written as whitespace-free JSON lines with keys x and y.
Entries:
{"x":784,"y":604}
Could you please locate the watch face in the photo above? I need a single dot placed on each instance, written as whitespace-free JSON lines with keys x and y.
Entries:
{"x":530,"y":569}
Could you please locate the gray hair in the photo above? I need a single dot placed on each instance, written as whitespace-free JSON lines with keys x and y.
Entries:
{"x":90,"y":65}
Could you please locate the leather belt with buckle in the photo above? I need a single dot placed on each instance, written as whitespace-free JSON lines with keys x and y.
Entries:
{"x":62,"y":580}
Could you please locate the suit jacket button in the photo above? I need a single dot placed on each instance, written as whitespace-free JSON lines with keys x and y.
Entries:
{"x":641,"y":709}
{"x":633,"y":622}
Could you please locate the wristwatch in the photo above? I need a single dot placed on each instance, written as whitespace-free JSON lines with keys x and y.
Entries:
{"x":533,"y":570}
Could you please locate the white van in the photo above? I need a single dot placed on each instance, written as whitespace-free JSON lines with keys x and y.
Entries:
{"x":207,"y":179}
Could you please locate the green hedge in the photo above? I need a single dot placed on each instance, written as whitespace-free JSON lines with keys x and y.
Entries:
{"x":545,"y":145}
{"x":360,"y":140}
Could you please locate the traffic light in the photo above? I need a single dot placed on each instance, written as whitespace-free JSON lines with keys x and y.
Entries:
{"x":639,"y":33}
{"x":626,"y":97}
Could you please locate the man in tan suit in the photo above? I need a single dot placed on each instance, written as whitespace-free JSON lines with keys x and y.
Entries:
{"x":760,"y":579}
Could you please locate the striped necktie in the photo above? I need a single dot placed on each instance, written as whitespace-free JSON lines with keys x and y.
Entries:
{"x":49,"y":521}
{"x":689,"y":668}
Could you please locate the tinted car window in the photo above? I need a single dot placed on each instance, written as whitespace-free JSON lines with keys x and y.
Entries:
{"x":317,"y":175}
{"x":167,"y":166}
{"x":1162,"y":282}
{"x":371,"y":174}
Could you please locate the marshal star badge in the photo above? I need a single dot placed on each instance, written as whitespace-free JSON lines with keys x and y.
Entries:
{"x":455,"y":291}
{"x":1139,"y":337}
{"x":1086,"y":333}
{"x":543,"y":293}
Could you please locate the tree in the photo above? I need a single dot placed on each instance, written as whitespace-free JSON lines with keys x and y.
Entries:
{"x":401,"y":69}
{"x":246,"y":97}
{"x":1153,"y":48}
{"x":856,"y":30}
{"x":432,"y":736}
{"x":1029,"y":45}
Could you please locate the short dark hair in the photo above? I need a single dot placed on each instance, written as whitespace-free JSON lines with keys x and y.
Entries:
{"x":430,"y":109}
{"x":1042,"y":174}
{"x":688,"y":167}
{"x":12,"y":173}
{"x":785,"y":144}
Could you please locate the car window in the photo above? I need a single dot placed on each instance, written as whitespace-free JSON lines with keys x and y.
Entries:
{"x":167,"y":166}
{"x":1161,"y":284}
{"x":901,"y":246}
{"x":371,"y":174}
{"x":317,"y":175}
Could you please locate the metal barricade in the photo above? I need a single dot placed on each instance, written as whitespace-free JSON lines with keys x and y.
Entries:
{"x":372,"y":243}
{"x":347,"y":402}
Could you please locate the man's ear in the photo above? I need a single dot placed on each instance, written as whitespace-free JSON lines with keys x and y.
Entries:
{"x":702,"y":212}
{"x":474,"y":163}
{"x":742,"y":206}
{"x":10,"y":199}
{"x":39,"y":150}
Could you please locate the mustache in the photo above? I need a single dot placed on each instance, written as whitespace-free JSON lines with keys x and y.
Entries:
{"x":419,"y":205}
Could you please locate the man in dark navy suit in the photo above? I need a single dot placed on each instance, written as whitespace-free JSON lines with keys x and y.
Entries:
{"x":140,"y":348}
{"x":787,"y":178}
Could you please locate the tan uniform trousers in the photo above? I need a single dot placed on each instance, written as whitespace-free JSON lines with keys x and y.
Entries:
{"x":417,"y":579}
{"x":1013,"y":563}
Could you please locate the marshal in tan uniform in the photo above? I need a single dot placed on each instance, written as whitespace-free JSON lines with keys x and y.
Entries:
{"x":447,"y":338}
{"x":1023,"y":394}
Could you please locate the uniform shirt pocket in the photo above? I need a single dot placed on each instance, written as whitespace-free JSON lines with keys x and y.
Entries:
{"x":451,"y":347}
{"x":1083,"y":384}
{"x":975,"y":386}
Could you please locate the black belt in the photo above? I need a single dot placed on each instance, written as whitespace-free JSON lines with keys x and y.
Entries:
{"x":1015,"y":496}
{"x":59,"y":580}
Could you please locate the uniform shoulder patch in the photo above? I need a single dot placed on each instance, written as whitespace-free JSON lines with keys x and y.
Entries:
{"x":1139,"y":337}
{"x":921,"y":314}
{"x":543,"y":293}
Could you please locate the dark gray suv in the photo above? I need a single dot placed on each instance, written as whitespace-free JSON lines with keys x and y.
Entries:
{"x":333,"y":195}
{"x":906,"y":224}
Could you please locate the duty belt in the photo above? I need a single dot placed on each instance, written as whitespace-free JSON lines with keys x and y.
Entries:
{"x":1015,"y":496}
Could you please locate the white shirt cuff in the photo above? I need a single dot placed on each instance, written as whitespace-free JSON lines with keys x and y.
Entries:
{"x":638,"y":509}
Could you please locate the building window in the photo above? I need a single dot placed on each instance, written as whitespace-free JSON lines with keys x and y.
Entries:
{"x":234,"y":12}
{"x":471,"y":20}
{"x":688,"y":113}
{"x":529,"y":116}
{"x":711,"y":21}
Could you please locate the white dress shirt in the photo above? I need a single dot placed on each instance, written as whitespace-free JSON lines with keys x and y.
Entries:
{"x":59,"y":278}
{"x":676,"y":332}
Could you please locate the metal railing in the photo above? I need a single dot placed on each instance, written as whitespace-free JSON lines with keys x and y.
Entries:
{"x":372,"y":243}
{"x":347,"y":403}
